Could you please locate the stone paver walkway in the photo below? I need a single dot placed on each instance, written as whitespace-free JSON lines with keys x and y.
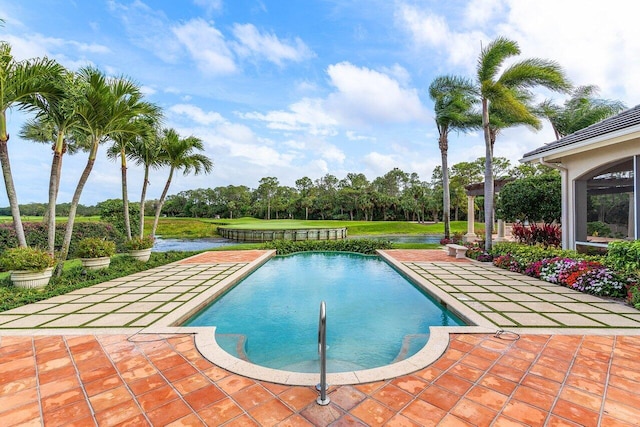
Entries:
{"x":95,"y":376}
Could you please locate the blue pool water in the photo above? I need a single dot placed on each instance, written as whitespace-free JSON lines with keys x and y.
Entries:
{"x":374,"y":315}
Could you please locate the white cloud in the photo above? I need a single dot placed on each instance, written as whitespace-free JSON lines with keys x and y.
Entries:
{"x":207,"y":46}
{"x":147,"y":29}
{"x":36,"y":45}
{"x":353,"y":136}
{"x":366,"y":96}
{"x":380,"y":163}
{"x":433,"y":30}
{"x":253,"y":43}
{"x":209,"y":5}
{"x":148,"y":90}
{"x":306,"y":115}
{"x":196,"y":114}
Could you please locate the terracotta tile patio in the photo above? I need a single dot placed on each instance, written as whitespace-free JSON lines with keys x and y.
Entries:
{"x":480,"y":380}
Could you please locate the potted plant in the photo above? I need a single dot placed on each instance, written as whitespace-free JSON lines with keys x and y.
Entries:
{"x":140,"y":247}
{"x":95,"y":253}
{"x":29,"y":267}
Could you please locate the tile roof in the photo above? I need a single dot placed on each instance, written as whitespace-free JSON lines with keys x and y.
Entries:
{"x":626,"y":119}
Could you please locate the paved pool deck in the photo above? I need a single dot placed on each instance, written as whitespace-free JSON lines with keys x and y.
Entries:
{"x":111,"y":355}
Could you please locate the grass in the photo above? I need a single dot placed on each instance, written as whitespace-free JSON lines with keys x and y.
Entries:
{"x":194,"y":228}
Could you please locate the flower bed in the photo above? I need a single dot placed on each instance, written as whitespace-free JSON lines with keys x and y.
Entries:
{"x":589,"y":274}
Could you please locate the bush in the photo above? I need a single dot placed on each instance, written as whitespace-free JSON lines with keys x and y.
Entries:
{"x":138,"y":243}
{"x":36,"y":234}
{"x":624,"y":256}
{"x":546,"y":235}
{"x":364,"y":246}
{"x":94,"y":247}
{"x":598,"y":228}
{"x":112,"y":212}
{"x":29,"y":259}
{"x":526,"y":255}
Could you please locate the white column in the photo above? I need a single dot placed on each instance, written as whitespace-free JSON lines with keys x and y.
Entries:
{"x":500,"y":237}
{"x":471,"y":235}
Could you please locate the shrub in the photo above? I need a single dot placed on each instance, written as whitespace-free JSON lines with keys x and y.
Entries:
{"x":36,"y":234}
{"x":633,"y":295}
{"x":547,"y":234}
{"x":624,"y":256}
{"x":94,"y":247}
{"x":29,"y":259}
{"x":598,"y":228}
{"x":138,"y":243}
{"x":364,"y":246}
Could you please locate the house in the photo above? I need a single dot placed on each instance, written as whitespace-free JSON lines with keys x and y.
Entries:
{"x":602,"y":159}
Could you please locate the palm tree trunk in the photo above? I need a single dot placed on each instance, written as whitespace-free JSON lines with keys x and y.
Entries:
{"x":488,"y":177}
{"x":54,"y":183}
{"x":125,"y":196}
{"x":75,"y":201}
{"x":143,"y":196}
{"x":161,"y":202}
{"x":446,"y":201}
{"x":10,"y":187}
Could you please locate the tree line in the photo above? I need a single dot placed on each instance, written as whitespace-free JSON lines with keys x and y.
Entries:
{"x":396,"y":195}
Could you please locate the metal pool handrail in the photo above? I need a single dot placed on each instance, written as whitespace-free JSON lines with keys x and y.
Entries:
{"x":323,"y":399}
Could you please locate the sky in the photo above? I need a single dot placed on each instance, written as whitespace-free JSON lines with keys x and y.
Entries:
{"x":294,"y":88}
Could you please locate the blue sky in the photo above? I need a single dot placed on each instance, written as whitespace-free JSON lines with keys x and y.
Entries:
{"x":304,"y":88}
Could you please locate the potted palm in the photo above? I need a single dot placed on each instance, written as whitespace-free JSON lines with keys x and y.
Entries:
{"x":29,"y":267}
{"x":140,"y":247}
{"x":95,"y":253}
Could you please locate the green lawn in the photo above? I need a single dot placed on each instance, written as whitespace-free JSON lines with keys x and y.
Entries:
{"x":206,"y":227}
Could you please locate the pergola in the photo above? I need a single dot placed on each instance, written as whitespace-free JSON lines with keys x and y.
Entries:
{"x":477,"y":189}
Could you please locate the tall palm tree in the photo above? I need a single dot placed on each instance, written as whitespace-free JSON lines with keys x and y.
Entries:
{"x":582,"y":109}
{"x":108,"y":109}
{"x":24,"y":84}
{"x":454,"y":98}
{"x":180,"y":153}
{"x":508,"y":93}
{"x":123,"y":147}
{"x":147,"y":152}
{"x":56,"y":123}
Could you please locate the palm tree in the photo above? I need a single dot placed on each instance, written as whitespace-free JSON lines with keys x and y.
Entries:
{"x":509,"y":94}
{"x":454,"y":98}
{"x":146,"y":151}
{"x":123,"y":147}
{"x":25,"y":84}
{"x":582,"y":109}
{"x":56,"y":123}
{"x":108,"y":109}
{"x":179,"y":153}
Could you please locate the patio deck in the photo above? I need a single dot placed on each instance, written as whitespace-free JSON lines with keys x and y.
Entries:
{"x":85,"y":374}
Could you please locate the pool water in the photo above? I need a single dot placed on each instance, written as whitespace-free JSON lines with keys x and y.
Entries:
{"x":374,"y":315}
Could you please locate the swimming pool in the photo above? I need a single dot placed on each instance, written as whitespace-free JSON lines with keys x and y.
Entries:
{"x":374,"y":315}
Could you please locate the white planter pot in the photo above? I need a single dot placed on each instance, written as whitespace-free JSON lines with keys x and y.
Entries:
{"x":31,"y":279}
{"x":96,"y":263}
{"x":141,"y":254}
